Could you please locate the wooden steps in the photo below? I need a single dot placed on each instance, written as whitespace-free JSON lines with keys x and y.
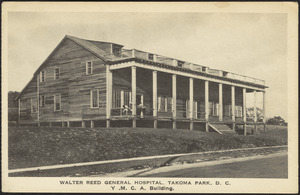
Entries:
{"x":221,"y":128}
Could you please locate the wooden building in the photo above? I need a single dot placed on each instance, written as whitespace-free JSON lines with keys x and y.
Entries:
{"x":91,"y":83}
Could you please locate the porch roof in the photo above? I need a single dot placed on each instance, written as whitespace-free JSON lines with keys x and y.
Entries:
{"x":182,"y":69}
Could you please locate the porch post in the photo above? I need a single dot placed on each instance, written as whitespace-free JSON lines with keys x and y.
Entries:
{"x":244,"y":106}
{"x":93,"y":124}
{"x":122,"y":98}
{"x":254,"y":110}
{"x":133,"y":92}
{"x":174,"y":97}
{"x":206,"y":104}
{"x":220,"y":102}
{"x":233,"y":106}
{"x":264,"y":109}
{"x":191,"y":102}
{"x":108,"y":95}
{"x":254,"y":106}
{"x":154,"y":86}
{"x":244,"y":111}
{"x":233,"y":103}
{"x":82,"y":124}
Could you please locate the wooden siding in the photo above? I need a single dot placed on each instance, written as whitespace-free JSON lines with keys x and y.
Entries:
{"x":73,"y":85}
{"x":25,"y":100}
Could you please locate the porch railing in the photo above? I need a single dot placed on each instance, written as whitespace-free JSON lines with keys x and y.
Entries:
{"x":126,"y":53}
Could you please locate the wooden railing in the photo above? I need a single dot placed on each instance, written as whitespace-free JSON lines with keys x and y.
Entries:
{"x":125,"y":53}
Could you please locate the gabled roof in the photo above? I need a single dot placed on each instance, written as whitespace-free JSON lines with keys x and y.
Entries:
{"x":89,"y":46}
{"x":94,"y":47}
{"x":86,"y":44}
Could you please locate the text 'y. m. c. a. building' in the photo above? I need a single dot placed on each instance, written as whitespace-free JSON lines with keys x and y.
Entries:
{"x":91,"y":83}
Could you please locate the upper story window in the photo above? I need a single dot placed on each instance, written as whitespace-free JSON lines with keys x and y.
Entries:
{"x":94,"y":98}
{"x":89,"y":68}
{"x":150,"y":56}
{"x":57,"y":102}
{"x":42,"y":76}
{"x":56,"y":73}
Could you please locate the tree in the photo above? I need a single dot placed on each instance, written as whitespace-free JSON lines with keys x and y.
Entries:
{"x":250,"y":113}
{"x":12,"y":103}
{"x":277,"y":120}
{"x":12,"y":106}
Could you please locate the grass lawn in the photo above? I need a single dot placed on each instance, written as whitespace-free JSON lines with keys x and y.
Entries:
{"x":40,"y":146}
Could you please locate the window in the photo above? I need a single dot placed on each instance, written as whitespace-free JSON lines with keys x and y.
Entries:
{"x":150,"y":56}
{"x":116,"y":99}
{"x":42,"y":101}
{"x":195,"y":109}
{"x":238,"y":111}
{"x":213,"y":109}
{"x":202,"y":109}
{"x":94,"y":98}
{"x":56,"y":73}
{"x":227,"y":110}
{"x":162,"y":104}
{"x":89,"y":68}
{"x":188,"y":109}
{"x":210,"y":108}
{"x":180,"y":63}
{"x":42,"y":76}
{"x":116,"y":50}
{"x":57,"y":102}
{"x":33,"y":105}
{"x":203,"y":69}
{"x":127,"y":98}
{"x":158,"y":103}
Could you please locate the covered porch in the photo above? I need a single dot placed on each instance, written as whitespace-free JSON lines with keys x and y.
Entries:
{"x":147,"y":93}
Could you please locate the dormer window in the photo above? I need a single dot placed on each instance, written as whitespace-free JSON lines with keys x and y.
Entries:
{"x":180,"y":63}
{"x":150,"y":56}
{"x":116,"y":51}
{"x":89,"y":68}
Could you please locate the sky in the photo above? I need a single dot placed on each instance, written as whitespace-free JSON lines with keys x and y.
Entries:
{"x":251,"y":44}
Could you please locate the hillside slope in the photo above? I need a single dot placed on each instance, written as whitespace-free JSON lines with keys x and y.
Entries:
{"x":40,"y":146}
